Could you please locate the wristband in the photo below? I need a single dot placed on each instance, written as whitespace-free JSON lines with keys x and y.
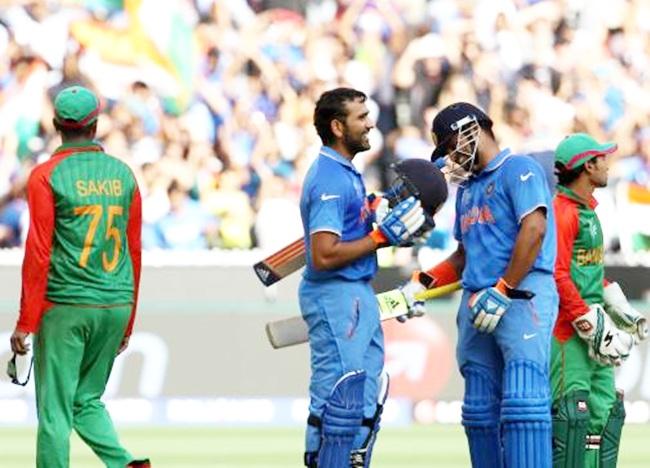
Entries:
{"x":503,"y":287}
{"x":378,"y":237}
{"x":440,"y":275}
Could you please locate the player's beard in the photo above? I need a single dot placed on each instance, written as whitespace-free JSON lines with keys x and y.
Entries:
{"x":599,"y":180}
{"x":356,"y":143}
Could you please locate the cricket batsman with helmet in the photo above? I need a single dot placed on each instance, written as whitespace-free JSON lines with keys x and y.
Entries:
{"x":596,"y":326}
{"x":505,"y":257}
{"x":348,"y":387}
{"x":80,"y":275}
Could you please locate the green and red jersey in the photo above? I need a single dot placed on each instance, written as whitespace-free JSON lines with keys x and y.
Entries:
{"x":579,"y":267}
{"x":83,"y":245}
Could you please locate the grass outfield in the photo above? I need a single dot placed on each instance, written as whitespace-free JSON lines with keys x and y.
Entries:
{"x":416,"y":447}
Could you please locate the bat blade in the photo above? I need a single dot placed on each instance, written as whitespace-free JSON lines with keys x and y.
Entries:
{"x":293,"y":331}
{"x":287,"y":332}
{"x":282,"y":263}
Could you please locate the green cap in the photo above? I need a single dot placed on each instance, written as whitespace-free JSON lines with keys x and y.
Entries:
{"x":578,"y":148}
{"x":76,"y":107}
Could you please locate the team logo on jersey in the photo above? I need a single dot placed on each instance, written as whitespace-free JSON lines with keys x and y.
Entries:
{"x":593,"y":230}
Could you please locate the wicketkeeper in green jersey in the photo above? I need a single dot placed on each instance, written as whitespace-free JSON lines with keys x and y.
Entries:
{"x":80,"y":274}
{"x":596,"y":326}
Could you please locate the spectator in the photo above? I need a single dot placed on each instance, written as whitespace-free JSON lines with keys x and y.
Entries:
{"x":222,"y":101}
{"x":187,"y":225}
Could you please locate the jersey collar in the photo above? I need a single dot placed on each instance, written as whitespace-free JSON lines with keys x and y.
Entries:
{"x":78,"y":147}
{"x":327,"y":152}
{"x":497,"y":161}
{"x":566,"y":192}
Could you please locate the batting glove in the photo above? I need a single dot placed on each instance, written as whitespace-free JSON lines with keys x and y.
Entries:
{"x":618,"y":307}
{"x":400,"y":224}
{"x":410,"y":290}
{"x":607,"y":344}
{"x":487,"y":306}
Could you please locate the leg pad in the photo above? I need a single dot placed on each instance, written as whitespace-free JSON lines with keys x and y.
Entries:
{"x":526,"y":415}
{"x":360,"y":457}
{"x":480,"y":416}
{"x":341,"y":420}
{"x":611,"y":436}
{"x":570,"y":422}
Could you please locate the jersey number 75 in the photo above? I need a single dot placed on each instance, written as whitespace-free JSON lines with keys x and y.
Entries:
{"x":111,"y":233}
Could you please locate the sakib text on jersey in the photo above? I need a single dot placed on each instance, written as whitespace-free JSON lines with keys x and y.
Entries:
{"x":593,"y":256}
{"x":110,"y":187}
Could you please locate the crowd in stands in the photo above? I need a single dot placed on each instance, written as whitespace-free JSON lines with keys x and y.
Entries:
{"x":211,"y":101}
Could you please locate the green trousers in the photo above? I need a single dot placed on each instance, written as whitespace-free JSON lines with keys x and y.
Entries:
{"x":572,"y":369}
{"x":74,"y":352}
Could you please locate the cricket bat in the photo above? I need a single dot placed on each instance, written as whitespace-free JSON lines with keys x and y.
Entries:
{"x":392,"y":304}
{"x":282,"y":263}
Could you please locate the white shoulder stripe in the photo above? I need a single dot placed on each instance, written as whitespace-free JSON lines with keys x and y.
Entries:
{"x":325,"y":229}
{"x":539,"y":205}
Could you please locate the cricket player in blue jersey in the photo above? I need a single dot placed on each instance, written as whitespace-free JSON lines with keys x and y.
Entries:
{"x":347,"y":388}
{"x":505,"y":258}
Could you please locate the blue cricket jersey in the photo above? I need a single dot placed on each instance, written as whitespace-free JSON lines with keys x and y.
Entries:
{"x":489,"y":210}
{"x":334,"y":200}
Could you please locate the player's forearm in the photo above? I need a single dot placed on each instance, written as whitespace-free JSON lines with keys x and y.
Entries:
{"x":446,"y":272}
{"x":338,"y":253}
{"x":527,"y":246}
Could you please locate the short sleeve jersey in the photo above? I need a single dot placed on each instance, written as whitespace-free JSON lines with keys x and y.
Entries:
{"x":334,"y":200}
{"x":489,"y":209}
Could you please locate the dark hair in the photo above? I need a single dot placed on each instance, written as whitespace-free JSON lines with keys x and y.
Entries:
{"x":566,"y":176}
{"x":136,"y":85}
{"x":252,"y":69}
{"x":487,"y":128}
{"x":174,"y":186}
{"x":331,"y":106}
{"x":77,"y":133}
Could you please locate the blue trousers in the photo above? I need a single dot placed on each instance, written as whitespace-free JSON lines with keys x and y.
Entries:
{"x":345,"y":334}
{"x":506,"y":407}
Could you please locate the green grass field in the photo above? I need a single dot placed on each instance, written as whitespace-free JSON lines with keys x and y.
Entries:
{"x":415,"y":447}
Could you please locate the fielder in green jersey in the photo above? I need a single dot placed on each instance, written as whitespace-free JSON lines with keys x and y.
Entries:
{"x":596,"y":326}
{"x":81,"y":273}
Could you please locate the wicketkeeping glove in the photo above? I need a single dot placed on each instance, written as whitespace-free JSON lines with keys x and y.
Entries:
{"x":399,"y":225}
{"x":629,"y":319}
{"x":488,"y":306}
{"x":607,"y":344}
{"x":410,"y":290}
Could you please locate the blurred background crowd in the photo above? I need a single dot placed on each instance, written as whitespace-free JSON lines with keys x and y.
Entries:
{"x":211,"y":101}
